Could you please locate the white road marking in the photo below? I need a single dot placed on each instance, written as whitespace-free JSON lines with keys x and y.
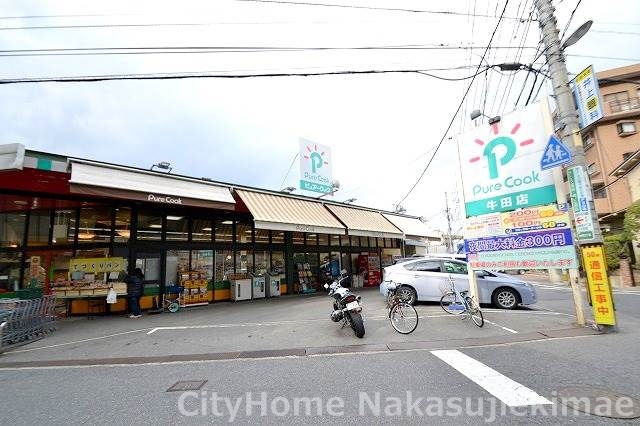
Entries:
{"x":506,"y":390}
{"x":499,"y":326}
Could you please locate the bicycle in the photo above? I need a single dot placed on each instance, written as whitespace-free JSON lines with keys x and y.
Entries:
{"x":403,"y":316}
{"x":460,"y":302}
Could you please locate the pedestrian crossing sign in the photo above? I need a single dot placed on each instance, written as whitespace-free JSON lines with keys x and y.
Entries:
{"x":554,"y":154}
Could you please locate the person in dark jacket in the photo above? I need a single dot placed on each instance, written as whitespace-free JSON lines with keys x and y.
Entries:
{"x":134,"y":292}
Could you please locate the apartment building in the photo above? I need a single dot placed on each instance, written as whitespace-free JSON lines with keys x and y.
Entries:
{"x":612,"y":146}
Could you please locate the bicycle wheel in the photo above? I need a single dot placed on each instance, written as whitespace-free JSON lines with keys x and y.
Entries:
{"x":451,"y":303}
{"x":475,"y":312}
{"x":404,"y":318}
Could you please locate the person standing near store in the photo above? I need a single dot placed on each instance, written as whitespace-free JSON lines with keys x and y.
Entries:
{"x":134,"y":292}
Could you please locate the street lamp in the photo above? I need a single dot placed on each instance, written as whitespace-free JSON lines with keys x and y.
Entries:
{"x":164,"y":165}
{"x":477,"y":113}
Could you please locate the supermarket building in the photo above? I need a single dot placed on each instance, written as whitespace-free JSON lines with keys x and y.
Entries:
{"x":72,"y":227}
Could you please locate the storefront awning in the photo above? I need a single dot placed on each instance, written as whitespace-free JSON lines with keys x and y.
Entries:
{"x":412,"y":226}
{"x":365,"y":223}
{"x":119,"y":182}
{"x":283,"y":213}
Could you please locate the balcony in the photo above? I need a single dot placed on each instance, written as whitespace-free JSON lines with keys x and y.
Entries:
{"x":624,"y":105}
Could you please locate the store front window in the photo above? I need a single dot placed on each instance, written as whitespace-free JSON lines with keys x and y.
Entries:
{"x":277,"y":262}
{"x":262,"y":236}
{"x":177,"y":228}
{"x":177,"y":264}
{"x":323,"y":240}
{"x":95,"y":225}
{"x":311,"y":239}
{"x":244,"y":233}
{"x":149,"y":226}
{"x":9,"y":271}
{"x":39,"y":226}
{"x":150,"y":264}
{"x":224,"y":231}
{"x":277,"y":237}
{"x":244,"y":261}
{"x":298,"y":238}
{"x":335,"y":240}
{"x":202,"y":262}
{"x":262,"y":262}
{"x":123,"y":225}
{"x":12,"y":229}
{"x":64,"y":229}
{"x":201,"y":230}
{"x":344,"y":241}
{"x":223,"y":264}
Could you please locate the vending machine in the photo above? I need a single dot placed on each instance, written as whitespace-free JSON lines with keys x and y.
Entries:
{"x":272,"y":284}
{"x":369,"y":267}
{"x":258,"y":286}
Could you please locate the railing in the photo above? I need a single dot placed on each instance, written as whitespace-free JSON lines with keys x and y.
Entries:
{"x":624,"y":105}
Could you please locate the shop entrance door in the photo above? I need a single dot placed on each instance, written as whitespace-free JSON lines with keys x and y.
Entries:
{"x":150,"y":262}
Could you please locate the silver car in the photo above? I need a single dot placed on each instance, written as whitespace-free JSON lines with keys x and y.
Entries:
{"x":425,"y":279}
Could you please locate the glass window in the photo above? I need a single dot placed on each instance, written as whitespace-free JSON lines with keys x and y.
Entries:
{"x":344,"y":241}
{"x":335,"y":240}
{"x":277,"y":262}
{"x":39,"y":225}
{"x":201,"y":230}
{"x":177,"y":264}
{"x":323,"y":239}
{"x":277,"y":237}
{"x":12,"y":227}
{"x":262,"y":262}
{"x":202,"y":262}
{"x":223,"y":264}
{"x":380,"y":242}
{"x":224,"y":231}
{"x":599,"y":190}
{"x":177,"y":228}
{"x":298,"y":238}
{"x":60,"y":267}
{"x":149,"y":225}
{"x":95,"y":225}
{"x":626,"y":127}
{"x":424,"y":266}
{"x":9,"y":271}
{"x":35,"y":272}
{"x":244,"y":261}
{"x":262,"y":236}
{"x":364,"y":241}
{"x":243,"y":232}
{"x":64,"y":227}
{"x":311,"y":239}
{"x":123,"y":225}
{"x":455,"y":267}
{"x":150,"y":265}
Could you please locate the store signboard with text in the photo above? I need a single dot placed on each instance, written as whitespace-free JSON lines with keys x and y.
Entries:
{"x":533,"y":238}
{"x":500,"y":163}
{"x":315,"y":167}
{"x":581,"y":199}
{"x":599,"y":287}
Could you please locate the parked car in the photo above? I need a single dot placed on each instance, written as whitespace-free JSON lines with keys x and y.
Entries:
{"x":425,"y":279}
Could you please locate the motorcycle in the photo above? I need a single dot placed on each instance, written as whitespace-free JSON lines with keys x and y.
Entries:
{"x":346,"y":306}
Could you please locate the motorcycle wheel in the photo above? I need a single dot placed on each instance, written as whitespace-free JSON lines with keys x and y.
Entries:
{"x":357,"y":324}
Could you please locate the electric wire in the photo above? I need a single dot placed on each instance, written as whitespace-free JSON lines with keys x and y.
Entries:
{"x":457,"y":110}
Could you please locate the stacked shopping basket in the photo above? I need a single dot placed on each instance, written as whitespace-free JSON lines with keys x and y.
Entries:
{"x":22,"y":321}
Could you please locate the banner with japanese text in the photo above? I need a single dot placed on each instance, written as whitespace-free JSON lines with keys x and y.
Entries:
{"x":595,"y":266}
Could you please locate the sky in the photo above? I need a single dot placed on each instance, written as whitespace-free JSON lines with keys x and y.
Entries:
{"x":389,"y":132}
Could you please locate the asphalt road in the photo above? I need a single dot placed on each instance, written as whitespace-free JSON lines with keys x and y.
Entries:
{"x":513,"y":383}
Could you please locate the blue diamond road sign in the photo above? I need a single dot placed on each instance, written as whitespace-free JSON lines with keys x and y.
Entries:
{"x":554,"y":154}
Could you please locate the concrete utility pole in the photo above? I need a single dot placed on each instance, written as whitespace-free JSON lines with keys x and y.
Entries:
{"x":449,"y":237}
{"x":569,"y":126}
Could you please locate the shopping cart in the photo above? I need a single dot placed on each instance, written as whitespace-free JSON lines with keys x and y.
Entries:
{"x":22,"y":321}
{"x":172,"y":298}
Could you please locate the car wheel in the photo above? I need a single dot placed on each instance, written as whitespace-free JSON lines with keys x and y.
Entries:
{"x":407,"y":294}
{"x":505,"y":298}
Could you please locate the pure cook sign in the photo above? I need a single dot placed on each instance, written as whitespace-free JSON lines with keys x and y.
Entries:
{"x":315,"y":167}
{"x":500,"y":163}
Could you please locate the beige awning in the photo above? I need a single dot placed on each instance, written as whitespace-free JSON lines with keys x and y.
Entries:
{"x":412,"y":226}
{"x":282,"y":213}
{"x":365,"y":223}
{"x":121,"y":182}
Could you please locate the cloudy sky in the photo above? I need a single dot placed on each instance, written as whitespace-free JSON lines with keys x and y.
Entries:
{"x":383,"y":128}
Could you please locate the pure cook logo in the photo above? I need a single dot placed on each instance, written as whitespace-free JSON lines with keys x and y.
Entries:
{"x":316,"y":158}
{"x":499,"y":152}
{"x":164,"y":199}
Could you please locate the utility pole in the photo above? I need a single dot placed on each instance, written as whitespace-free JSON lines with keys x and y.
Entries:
{"x":449,"y":242}
{"x":569,"y":126}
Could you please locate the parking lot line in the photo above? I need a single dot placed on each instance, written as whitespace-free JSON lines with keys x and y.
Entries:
{"x":499,"y":326}
{"x":508,"y":391}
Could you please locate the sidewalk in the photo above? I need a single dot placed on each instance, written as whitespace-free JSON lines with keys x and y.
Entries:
{"x":286,"y":326}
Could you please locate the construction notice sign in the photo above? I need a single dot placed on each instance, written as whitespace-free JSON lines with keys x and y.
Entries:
{"x":599,"y":288}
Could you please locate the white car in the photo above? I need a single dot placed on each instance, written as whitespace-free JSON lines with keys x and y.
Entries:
{"x":426,"y":279}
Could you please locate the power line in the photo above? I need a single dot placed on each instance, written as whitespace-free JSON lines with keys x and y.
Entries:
{"x":459,"y":107}
{"x":178,"y":76}
{"x":346,"y":6}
